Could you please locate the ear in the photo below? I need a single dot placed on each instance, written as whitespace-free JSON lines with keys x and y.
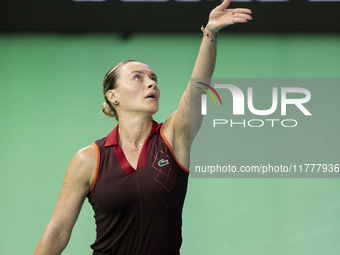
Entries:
{"x":112,"y":96}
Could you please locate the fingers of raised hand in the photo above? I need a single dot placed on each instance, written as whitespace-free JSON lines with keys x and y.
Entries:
{"x":240,"y":10}
{"x":239,"y":15}
{"x":223,"y":5}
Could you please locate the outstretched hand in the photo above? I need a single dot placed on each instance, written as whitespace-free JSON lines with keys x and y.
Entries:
{"x":221,"y":17}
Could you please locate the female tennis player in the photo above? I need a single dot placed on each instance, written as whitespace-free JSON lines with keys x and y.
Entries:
{"x":136,"y":177}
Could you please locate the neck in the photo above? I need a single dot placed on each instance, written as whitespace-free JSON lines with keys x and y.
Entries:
{"x":134,"y":130}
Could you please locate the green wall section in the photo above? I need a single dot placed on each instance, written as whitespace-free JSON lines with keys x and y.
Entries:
{"x":50,"y":105}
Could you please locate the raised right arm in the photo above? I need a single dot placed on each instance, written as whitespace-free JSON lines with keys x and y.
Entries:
{"x":77,"y":182}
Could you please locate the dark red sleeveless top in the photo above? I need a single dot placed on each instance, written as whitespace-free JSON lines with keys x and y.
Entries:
{"x":138,"y":212}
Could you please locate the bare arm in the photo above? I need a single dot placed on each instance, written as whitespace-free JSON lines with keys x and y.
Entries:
{"x":177,"y":127}
{"x":76,"y":185}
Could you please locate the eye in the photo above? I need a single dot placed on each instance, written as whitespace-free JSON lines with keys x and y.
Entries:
{"x":154,"y":78}
{"x":137,"y":77}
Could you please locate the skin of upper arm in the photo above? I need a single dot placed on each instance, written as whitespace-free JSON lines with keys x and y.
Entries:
{"x":182,"y":126}
{"x":179,"y":140}
{"x":187,"y":120}
{"x":78,"y":178}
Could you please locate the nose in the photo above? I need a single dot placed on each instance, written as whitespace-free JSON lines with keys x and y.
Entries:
{"x":152,"y":83}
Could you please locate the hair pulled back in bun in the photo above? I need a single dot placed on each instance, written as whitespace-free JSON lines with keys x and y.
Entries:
{"x":106,"y":109}
{"x":110,"y":82}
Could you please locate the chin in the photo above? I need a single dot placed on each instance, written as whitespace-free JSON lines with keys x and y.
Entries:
{"x":150,"y":109}
{"x":153,"y":111}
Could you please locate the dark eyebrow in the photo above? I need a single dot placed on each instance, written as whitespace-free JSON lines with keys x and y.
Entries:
{"x":152,"y":74}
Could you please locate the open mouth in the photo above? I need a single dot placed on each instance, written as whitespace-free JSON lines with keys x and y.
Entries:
{"x":152,"y":95}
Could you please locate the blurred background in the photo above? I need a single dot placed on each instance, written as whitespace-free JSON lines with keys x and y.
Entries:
{"x":53,"y":57}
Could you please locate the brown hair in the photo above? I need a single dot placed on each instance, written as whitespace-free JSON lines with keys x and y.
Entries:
{"x":110,"y":82}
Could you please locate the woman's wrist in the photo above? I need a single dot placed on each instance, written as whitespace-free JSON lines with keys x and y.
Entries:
{"x":209,"y":29}
{"x":209,"y":34}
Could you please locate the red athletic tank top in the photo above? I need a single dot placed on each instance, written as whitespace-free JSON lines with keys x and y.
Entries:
{"x":138,"y":212}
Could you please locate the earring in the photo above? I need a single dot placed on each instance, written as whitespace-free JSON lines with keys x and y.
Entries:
{"x":116,"y":102}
